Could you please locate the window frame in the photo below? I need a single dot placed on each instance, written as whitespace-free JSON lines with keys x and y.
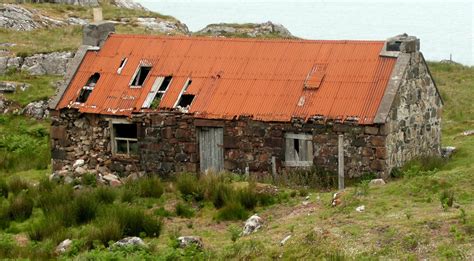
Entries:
{"x":114,"y":139}
{"x":137,"y":72}
{"x":302,"y":138}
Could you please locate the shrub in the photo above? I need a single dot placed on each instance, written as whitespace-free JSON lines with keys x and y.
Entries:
{"x":188,"y":185}
{"x":105,"y":194}
{"x":232,"y":211}
{"x":248,"y":197}
{"x":134,"y":221}
{"x":104,"y":231}
{"x":234,"y":232}
{"x":59,"y":195}
{"x":3,"y":188}
{"x":47,"y":228}
{"x":183,"y":210}
{"x":7,"y":245}
{"x":162,"y":212}
{"x":127,"y":195}
{"x":84,"y":208}
{"x":17,"y":185}
{"x":89,"y":179}
{"x":21,"y":207}
{"x":150,"y":187}
{"x":45,"y":185}
{"x":221,"y":194}
{"x":446,"y":198}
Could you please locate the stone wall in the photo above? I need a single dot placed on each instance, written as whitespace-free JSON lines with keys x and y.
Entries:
{"x":168,"y":143}
{"x":414,"y":120}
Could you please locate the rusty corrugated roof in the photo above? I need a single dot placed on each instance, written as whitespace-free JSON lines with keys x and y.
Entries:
{"x":264,"y":79}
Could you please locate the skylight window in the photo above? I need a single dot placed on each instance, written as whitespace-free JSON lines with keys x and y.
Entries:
{"x":88,"y":88}
{"x":122,"y":64}
{"x":140,"y":76}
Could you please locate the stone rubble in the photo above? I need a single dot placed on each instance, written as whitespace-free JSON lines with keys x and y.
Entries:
{"x":38,"y":110}
{"x":186,"y":241}
{"x":446,"y":152}
{"x":252,"y":224}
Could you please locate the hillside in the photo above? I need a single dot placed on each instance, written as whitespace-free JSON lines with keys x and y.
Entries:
{"x":426,"y":211}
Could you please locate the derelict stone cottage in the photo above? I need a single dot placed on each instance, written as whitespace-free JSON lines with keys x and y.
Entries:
{"x":168,"y":104}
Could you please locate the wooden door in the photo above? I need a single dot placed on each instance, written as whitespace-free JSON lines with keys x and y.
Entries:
{"x":211,"y":149}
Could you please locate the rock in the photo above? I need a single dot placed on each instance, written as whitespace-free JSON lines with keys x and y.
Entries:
{"x":55,"y":177}
{"x":113,"y":180}
{"x":186,"y":241}
{"x":162,"y":25}
{"x":250,"y":30}
{"x":18,"y":18}
{"x":13,"y":86}
{"x":130,"y":241}
{"x":446,"y":152}
{"x":38,"y":110}
{"x":77,"y":187}
{"x":377,"y":182}
{"x":128,"y":4}
{"x":283,"y":242}
{"x":305,"y":203}
{"x":468,"y":133}
{"x":68,"y":180}
{"x":52,"y":63}
{"x":252,"y":224}
{"x":75,"y":21}
{"x":80,"y":170}
{"x":78,"y":163}
{"x":63,"y":247}
{"x":360,"y":208}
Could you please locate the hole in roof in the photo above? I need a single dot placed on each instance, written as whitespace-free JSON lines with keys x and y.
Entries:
{"x":186,"y":100}
{"x":141,"y":76}
{"x":122,"y":64}
{"x":87,"y":89}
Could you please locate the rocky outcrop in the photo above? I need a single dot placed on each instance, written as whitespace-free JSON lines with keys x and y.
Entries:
{"x":129,"y":4}
{"x":267,"y":29}
{"x":18,"y":18}
{"x":67,"y":2}
{"x":38,"y":64}
{"x":38,"y":110}
{"x":157,"y":24}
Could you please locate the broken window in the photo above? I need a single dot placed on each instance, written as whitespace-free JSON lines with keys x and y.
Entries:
{"x":140,"y":76}
{"x":158,"y":89}
{"x":184,"y":100}
{"x":87,"y":89}
{"x":122,"y":64}
{"x":125,"y":139}
{"x":298,"y":150}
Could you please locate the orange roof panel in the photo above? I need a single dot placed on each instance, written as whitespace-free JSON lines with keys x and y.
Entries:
{"x":269,"y":80}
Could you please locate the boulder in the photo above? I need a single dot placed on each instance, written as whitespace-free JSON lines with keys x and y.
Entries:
{"x":7,"y":87}
{"x":128,"y":4}
{"x":80,"y":171}
{"x":38,"y":110}
{"x":252,"y":224}
{"x":467,"y":133}
{"x":186,"y":241}
{"x":446,"y":152}
{"x":360,"y":208}
{"x":78,"y":163}
{"x":113,"y":180}
{"x":52,"y":63}
{"x":130,"y":241}
{"x":377,"y":182}
{"x":162,"y":25}
{"x":63,"y":247}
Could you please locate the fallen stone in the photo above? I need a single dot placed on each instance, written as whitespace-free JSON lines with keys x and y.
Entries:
{"x":55,"y":177}
{"x":186,"y":241}
{"x":80,"y":170}
{"x":77,"y":187}
{"x":68,"y":180}
{"x":7,"y":87}
{"x":468,"y":133}
{"x":446,"y":152}
{"x":252,"y":224}
{"x":113,"y":180}
{"x":130,"y":241}
{"x":283,"y":242}
{"x":360,"y":208}
{"x":377,"y":182}
{"x":78,"y":163}
{"x":63,"y":247}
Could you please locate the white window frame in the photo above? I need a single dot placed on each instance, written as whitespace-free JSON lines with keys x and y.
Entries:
{"x":292,"y":158}
{"x":140,"y":66}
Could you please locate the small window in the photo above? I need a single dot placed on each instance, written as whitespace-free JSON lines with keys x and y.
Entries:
{"x":87,"y":89}
{"x":125,"y":139}
{"x":122,"y":64}
{"x":140,"y":76}
{"x":298,"y":150}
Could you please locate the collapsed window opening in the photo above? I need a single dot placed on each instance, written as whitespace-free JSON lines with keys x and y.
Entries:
{"x":298,"y":150}
{"x":186,"y":100}
{"x":122,"y":64}
{"x":87,"y":89}
{"x":125,"y":139}
{"x":140,"y":76}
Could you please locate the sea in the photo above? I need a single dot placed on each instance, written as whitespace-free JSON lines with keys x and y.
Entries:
{"x":445,"y":28}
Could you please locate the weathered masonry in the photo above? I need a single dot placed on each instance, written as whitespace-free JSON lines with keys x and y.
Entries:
{"x":168,"y":104}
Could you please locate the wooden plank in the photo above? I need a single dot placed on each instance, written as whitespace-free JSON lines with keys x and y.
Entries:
{"x":151,"y":95}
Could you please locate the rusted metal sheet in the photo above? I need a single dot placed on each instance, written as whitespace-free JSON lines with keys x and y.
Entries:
{"x":269,"y":80}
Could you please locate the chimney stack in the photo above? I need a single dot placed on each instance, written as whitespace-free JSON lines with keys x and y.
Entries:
{"x":97,"y":14}
{"x":402,"y":43}
{"x":95,"y":34}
